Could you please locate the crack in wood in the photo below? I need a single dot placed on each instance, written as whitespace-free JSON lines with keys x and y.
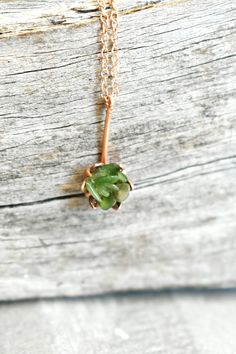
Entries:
{"x":6,"y":32}
{"x":47,"y":200}
{"x":145,"y":183}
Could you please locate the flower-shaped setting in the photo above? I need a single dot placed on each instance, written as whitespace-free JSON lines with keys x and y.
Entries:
{"x":106,"y":186}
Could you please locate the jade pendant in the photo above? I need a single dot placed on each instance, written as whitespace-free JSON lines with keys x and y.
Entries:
{"x":106,"y":186}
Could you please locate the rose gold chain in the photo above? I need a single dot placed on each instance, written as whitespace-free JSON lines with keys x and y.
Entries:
{"x":109,"y":47}
{"x":109,"y":63}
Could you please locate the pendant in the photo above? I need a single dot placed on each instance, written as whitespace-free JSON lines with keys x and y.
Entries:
{"x":106,"y":186}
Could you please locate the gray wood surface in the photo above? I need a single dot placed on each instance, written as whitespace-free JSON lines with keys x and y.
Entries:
{"x":166,"y":324}
{"x":173,"y":129}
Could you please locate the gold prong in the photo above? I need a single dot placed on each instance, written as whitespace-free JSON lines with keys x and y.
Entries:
{"x":82,"y":188}
{"x":131,"y":185}
{"x":88,"y":172}
{"x":117,"y":206}
{"x":93,"y":203}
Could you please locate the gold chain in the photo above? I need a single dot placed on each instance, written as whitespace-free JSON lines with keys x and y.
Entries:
{"x":109,"y":63}
{"x":109,"y":48}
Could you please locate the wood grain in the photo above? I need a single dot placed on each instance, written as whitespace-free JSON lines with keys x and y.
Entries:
{"x":173,"y":129}
{"x":168,"y":323}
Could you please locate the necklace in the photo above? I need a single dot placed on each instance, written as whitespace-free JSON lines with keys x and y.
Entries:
{"x":105,"y":184}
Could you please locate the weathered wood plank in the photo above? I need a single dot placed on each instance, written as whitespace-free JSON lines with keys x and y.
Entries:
{"x":173,"y":128}
{"x":197,"y":324}
{"x":21,"y":18}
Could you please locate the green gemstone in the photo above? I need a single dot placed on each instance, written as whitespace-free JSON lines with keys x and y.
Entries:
{"x":122,"y":177}
{"x":123,"y":193}
{"x":108,"y":185}
{"x":99,"y":173}
{"x":103,"y":190}
{"x":109,"y":169}
{"x":106,"y":180}
{"x":112,"y":187}
{"x":92,"y":190}
{"x":107,"y":203}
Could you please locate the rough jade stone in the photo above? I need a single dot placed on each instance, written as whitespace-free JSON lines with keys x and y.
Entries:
{"x":108,"y":203}
{"x":110,"y":168}
{"x":123,"y":192}
{"x":108,"y":185}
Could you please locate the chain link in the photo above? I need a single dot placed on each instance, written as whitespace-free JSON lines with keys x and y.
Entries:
{"x":109,"y":47}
